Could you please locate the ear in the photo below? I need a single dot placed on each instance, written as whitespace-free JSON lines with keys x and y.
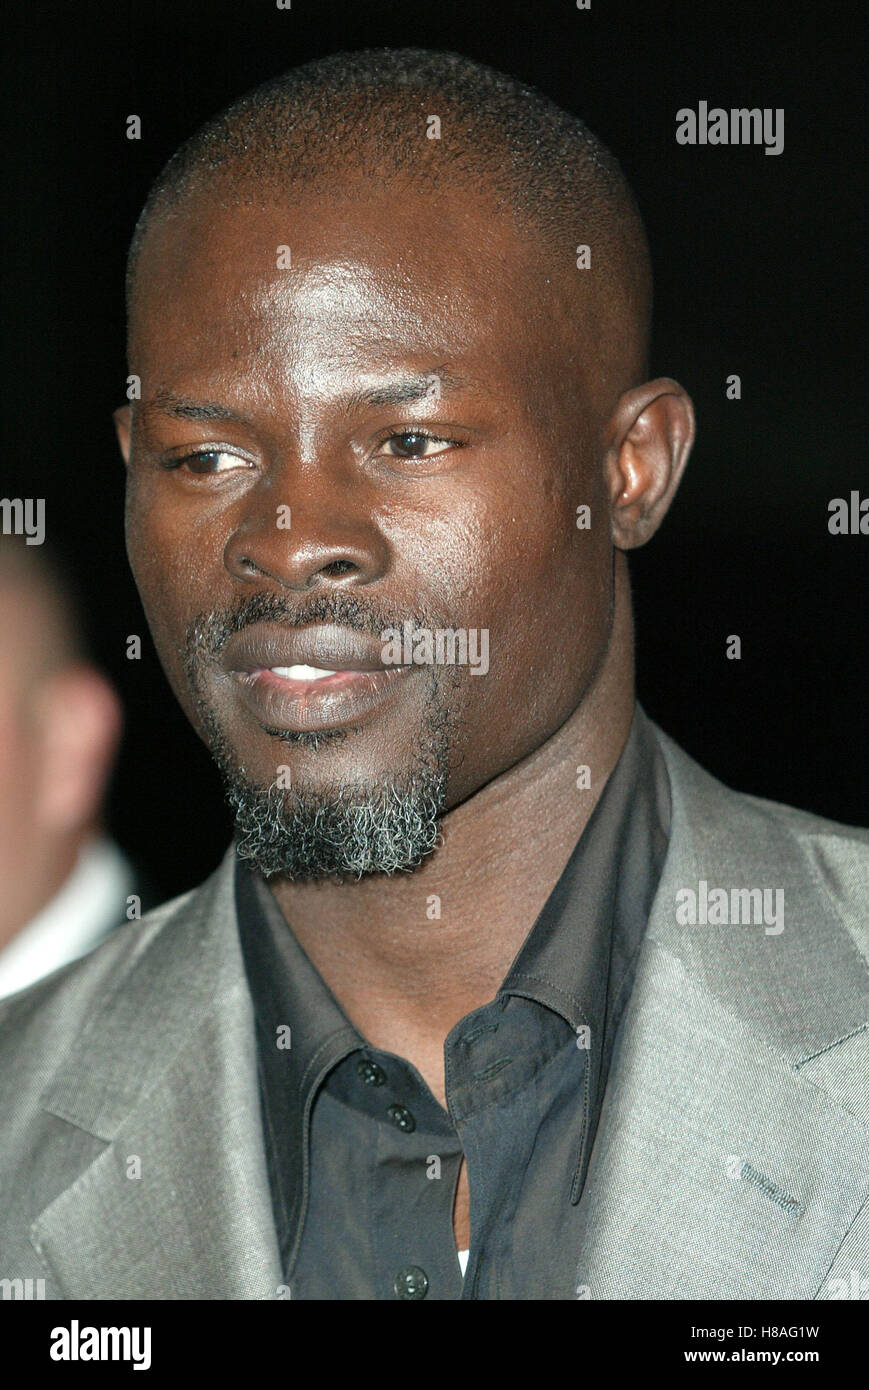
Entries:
{"x":648,"y":440}
{"x":123,"y":422}
{"x":80,"y":716}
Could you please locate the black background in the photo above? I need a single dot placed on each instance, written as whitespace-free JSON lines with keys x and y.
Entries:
{"x":759,"y":269}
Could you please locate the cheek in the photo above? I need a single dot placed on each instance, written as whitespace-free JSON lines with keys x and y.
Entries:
{"x":542,"y":587}
{"x":522,"y":567}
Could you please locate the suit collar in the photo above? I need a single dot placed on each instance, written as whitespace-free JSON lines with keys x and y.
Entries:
{"x":164,"y":1076}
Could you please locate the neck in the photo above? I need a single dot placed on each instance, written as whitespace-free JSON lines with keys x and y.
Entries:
{"x":409,"y":956}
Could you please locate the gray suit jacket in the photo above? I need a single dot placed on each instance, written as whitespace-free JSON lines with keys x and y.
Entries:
{"x":732,"y":1155}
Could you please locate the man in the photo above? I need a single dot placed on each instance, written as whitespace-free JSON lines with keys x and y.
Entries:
{"x":498,"y":995}
{"x":64,"y":884}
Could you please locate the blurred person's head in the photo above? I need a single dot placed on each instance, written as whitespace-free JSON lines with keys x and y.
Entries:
{"x":60,"y":722}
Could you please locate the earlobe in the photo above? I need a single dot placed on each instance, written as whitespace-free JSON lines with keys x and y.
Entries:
{"x":122,"y":421}
{"x":650,"y":436}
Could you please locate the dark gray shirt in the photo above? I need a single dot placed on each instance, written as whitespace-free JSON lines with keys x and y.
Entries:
{"x":363,"y":1160}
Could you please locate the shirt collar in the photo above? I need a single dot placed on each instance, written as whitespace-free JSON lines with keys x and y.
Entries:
{"x":288,"y":991}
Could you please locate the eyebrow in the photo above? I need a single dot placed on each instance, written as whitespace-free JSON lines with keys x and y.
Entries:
{"x":182,"y":408}
{"x":407,"y":390}
{"x":404,"y":391}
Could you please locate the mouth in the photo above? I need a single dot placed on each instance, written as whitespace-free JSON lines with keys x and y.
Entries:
{"x":305,"y":679}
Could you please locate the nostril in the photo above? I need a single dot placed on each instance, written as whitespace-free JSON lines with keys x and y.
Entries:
{"x":338,"y":567}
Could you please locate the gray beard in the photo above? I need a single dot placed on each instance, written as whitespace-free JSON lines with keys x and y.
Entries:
{"x":339,"y":832}
{"x":346,"y":831}
{"x":352,"y":833}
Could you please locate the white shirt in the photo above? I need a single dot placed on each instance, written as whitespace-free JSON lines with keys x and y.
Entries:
{"x":91,"y":901}
{"x":463,"y":1260}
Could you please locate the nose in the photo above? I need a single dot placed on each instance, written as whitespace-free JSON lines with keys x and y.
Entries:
{"x":305,"y":532}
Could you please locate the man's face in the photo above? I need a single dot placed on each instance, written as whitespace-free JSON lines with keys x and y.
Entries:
{"x":358,"y":414}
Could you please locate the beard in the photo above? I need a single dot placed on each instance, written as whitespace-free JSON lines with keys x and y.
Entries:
{"x":336,"y":831}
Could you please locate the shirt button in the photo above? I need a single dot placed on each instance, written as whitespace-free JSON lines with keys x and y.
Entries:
{"x":402,"y":1119}
{"x":371,"y":1073}
{"x":411,"y":1282}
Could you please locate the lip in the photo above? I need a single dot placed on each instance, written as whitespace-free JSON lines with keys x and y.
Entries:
{"x":360,"y":686}
{"x":325,"y":645}
{"x":345,"y":698}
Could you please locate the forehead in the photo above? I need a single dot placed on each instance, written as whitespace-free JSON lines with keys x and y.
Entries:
{"x":357,"y":277}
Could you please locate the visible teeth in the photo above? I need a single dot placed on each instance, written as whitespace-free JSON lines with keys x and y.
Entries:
{"x":301,"y":673}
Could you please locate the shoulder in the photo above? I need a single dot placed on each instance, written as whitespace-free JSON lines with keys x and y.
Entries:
{"x":834,"y":856}
{"x":767,"y":907}
{"x":38,"y":1024}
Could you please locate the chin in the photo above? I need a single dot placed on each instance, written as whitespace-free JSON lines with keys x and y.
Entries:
{"x":306,"y":833}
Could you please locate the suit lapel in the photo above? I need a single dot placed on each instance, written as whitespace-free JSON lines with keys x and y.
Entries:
{"x":718,"y":1170}
{"x":721,"y":1168}
{"x":176,"y":1204}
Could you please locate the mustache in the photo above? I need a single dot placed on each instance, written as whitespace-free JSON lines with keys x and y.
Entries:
{"x":209,"y":632}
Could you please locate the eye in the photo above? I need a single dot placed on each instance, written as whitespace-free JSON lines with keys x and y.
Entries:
{"x":211,"y":461}
{"x":414,"y":444}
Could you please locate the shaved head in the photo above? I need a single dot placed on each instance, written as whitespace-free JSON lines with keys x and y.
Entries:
{"x":353,"y":122}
